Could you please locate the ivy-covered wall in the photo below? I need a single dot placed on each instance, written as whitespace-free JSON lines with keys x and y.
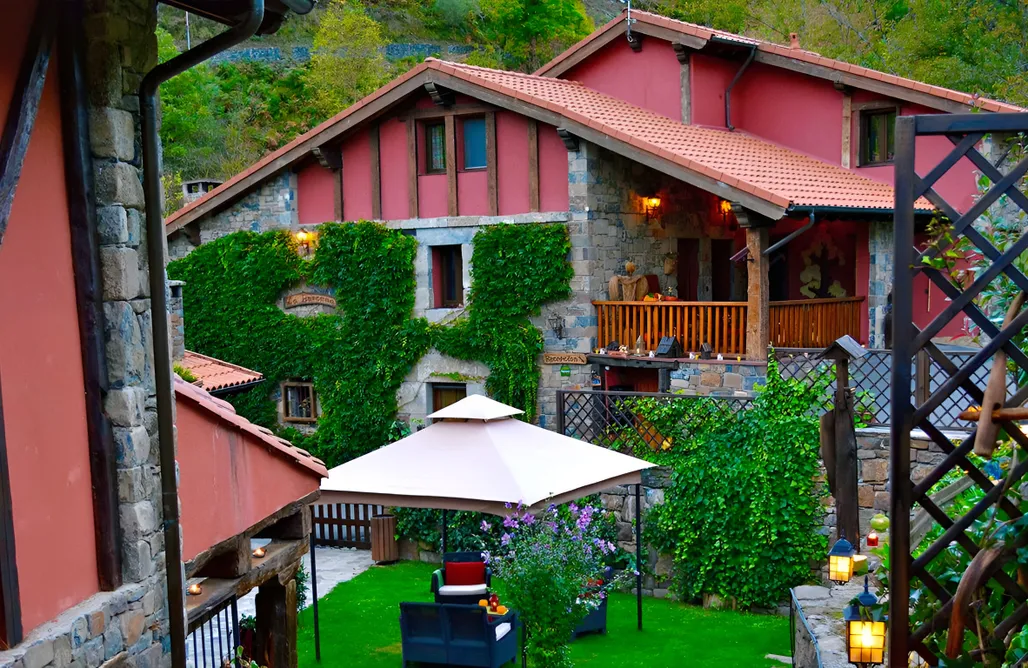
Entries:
{"x":358,"y":356}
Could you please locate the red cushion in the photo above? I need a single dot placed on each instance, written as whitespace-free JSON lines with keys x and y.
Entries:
{"x":464,"y":573}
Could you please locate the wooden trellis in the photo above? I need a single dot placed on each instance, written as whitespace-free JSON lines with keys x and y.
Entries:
{"x":965,"y":131}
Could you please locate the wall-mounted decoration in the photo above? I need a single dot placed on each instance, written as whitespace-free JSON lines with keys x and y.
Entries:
{"x":565,"y":358}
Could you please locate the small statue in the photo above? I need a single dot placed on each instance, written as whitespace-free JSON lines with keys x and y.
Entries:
{"x":627,"y":288}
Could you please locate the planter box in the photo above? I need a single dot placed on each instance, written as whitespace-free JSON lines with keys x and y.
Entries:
{"x":594,"y":622}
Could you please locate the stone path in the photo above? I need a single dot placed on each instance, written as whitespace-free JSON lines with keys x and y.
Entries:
{"x":334,"y":564}
{"x":823,"y":606}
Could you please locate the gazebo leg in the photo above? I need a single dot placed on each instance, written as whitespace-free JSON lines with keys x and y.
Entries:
{"x":314,"y":593}
{"x":638,"y":555}
{"x":444,"y":535}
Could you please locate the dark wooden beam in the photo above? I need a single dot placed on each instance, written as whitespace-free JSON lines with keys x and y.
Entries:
{"x":412,"y":168}
{"x":376,"y":173}
{"x":456,"y":110}
{"x":533,"y":165}
{"x":329,"y":157}
{"x":570,"y":140}
{"x":451,"y":166}
{"x":275,"y":641}
{"x":21,"y":114}
{"x":684,"y":55}
{"x":232,"y":563}
{"x":8,"y":557}
{"x":441,"y":95}
{"x":85,"y":258}
{"x":337,"y":195}
{"x":490,"y":163}
{"x":291,"y":527}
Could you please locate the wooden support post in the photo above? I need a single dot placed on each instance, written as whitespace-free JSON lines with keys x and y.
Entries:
{"x":847,"y":509}
{"x":922,"y":377}
{"x":490,"y":162}
{"x":847,"y":127}
{"x":275,"y":641}
{"x":232,"y":563}
{"x":376,"y":174}
{"x":412,"y":167}
{"x":451,"y":166}
{"x":685,"y":81}
{"x":757,"y":309}
{"x":533,"y":165}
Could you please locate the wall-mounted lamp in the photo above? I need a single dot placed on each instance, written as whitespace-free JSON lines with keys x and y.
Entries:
{"x":726,"y":208}
{"x":652,"y":206}
{"x":305,"y":242}
{"x":556,"y":324}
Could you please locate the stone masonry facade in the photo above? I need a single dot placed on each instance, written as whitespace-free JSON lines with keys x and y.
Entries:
{"x":129,"y":626}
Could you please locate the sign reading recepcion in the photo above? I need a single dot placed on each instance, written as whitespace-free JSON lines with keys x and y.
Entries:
{"x":564,"y":358}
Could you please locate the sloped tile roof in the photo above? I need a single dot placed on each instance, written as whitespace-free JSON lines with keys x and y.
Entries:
{"x":215,"y":374}
{"x":226,"y":413}
{"x":801,"y":55}
{"x":774,"y":173}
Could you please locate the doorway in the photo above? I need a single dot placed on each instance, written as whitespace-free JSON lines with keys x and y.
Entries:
{"x":688,"y":269}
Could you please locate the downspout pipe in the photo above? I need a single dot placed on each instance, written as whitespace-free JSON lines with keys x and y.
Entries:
{"x":159,"y":303}
{"x":792,"y":235}
{"x":728,"y":91}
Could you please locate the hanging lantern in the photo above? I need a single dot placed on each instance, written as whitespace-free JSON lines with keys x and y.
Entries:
{"x":865,"y":636}
{"x":840,"y":561}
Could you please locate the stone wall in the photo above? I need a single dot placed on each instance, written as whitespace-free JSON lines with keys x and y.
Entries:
{"x":128,"y":626}
{"x":728,"y":378}
{"x":880,"y":279}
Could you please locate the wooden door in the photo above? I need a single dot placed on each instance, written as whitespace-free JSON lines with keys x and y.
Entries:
{"x":688,"y":269}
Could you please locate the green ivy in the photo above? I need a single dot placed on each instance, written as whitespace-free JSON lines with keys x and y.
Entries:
{"x":742,"y":515}
{"x":515,"y":270}
{"x":358,"y":356}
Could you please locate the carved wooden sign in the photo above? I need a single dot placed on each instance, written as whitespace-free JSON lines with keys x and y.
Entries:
{"x":564,"y":358}
{"x":308,"y":299}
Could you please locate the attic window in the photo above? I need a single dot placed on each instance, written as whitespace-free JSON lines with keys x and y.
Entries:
{"x":877,"y":136}
{"x":299,"y":402}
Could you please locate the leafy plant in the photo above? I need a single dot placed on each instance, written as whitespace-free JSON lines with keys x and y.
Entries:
{"x":546,"y":564}
{"x":183,"y":373}
{"x":303,"y":585}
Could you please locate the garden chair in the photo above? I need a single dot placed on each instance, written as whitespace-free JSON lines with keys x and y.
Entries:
{"x":457,"y":635}
{"x":463,"y":579}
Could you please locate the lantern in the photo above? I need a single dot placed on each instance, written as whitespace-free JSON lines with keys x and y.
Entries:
{"x":872,"y":539}
{"x":305,"y":242}
{"x":865,"y":636}
{"x":652,"y":206}
{"x":726,"y":208}
{"x":840,"y":561}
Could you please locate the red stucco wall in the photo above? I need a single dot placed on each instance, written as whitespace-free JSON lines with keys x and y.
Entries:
{"x":315,"y":194}
{"x":357,"y":177}
{"x":433,"y":195}
{"x":512,"y":170}
{"x":473,"y":192}
{"x":648,"y":79}
{"x":553,"y":170}
{"x":392,"y":138}
{"x":709,"y":76}
{"x":229,"y":480}
{"x":41,"y":365}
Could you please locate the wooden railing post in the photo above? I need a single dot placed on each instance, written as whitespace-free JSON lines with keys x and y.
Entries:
{"x":757,"y":315}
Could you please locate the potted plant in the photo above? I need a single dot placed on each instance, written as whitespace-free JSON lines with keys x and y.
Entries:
{"x":247,"y":633}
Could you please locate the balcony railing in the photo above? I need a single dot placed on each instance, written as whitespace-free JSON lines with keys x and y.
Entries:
{"x":809,"y":323}
{"x":722,"y":324}
{"x":814,"y":323}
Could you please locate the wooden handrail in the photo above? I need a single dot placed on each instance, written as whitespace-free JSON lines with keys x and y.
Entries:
{"x":722,"y":324}
{"x":805,"y":302}
{"x":814,"y":323}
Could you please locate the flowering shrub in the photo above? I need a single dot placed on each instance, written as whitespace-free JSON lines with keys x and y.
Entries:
{"x":549,"y":566}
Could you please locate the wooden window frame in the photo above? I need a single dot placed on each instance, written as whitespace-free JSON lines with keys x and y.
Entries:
{"x":427,"y":146}
{"x":437,"y":387}
{"x":285,"y":402}
{"x":463,"y":152}
{"x":865,"y":113}
{"x":440,"y":276}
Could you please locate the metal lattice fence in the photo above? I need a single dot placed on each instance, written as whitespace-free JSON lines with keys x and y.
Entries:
{"x":214,"y":637}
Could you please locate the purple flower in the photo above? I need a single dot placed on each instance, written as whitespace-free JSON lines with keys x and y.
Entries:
{"x":507,"y":505}
{"x":520,"y":506}
{"x":505,"y":541}
{"x":573,"y":507}
{"x":486,"y":557}
{"x":485,"y":526}
{"x":510,"y":522}
{"x":529,"y":520}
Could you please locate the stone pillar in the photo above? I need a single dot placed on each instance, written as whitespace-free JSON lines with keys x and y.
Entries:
{"x":177,"y":320}
{"x":275,"y":642}
{"x":879,"y":278}
{"x":757,"y":316}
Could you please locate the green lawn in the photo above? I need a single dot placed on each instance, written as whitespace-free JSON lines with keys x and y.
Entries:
{"x":360,"y":628}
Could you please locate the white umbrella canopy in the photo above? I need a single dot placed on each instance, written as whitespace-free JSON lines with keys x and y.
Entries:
{"x":478,"y":457}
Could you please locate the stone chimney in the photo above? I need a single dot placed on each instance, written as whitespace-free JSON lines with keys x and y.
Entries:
{"x":193,"y":190}
{"x":794,"y":40}
{"x":176,"y":320}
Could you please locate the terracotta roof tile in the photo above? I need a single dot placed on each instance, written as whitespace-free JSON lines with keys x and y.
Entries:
{"x":226,"y":413}
{"x":214,"y":374}
{"x":771,"y":172}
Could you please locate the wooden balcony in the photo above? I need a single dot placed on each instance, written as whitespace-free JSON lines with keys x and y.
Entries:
{"x":808,"y":323}
{"x":814,"y":323}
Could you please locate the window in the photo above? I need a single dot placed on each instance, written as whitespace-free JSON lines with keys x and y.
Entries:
{"x":445,"y":394}
{"x":447,"y":277}
{"x":877,"y":140}
{"x":299,"y":402}
{"x":473,"y":130}
{"x":435,"y":148}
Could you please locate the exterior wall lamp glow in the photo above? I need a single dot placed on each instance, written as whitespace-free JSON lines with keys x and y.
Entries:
{"x":305,"y":242}
{"x":652,"y":207}
{"x":865,"y":630}
{"x":840,"y":561}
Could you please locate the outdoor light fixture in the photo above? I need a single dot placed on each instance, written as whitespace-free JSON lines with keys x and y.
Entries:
{"x":556,"y":323}
{"x":195,"y":589}
{"x":304,"y":242}
{"x":260,"y":552}
{"x":840,"y":561}
{"x":872,"y":539}
{"x":865,"y":635}
{"x":726,"y":208}
{"x":652,"y":207}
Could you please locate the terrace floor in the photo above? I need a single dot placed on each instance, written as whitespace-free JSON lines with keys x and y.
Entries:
{"x":360,"y":627}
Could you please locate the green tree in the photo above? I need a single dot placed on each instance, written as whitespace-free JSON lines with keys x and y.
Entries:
{"x":530,"y":32}
{"x":347,"y":62}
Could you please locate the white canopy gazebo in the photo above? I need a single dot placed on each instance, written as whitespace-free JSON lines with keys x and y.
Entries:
{"x":476,"y":456}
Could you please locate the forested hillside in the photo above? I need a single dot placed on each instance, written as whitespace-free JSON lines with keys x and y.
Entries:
{"x":219,"y":118}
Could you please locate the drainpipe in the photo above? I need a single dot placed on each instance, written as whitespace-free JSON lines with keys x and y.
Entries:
{"x":159,"y":304}
{"x":735,"y":80}
{"x":792,"y":235}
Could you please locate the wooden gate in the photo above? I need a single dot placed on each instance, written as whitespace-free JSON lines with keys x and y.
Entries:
{"x":344,"y":524}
